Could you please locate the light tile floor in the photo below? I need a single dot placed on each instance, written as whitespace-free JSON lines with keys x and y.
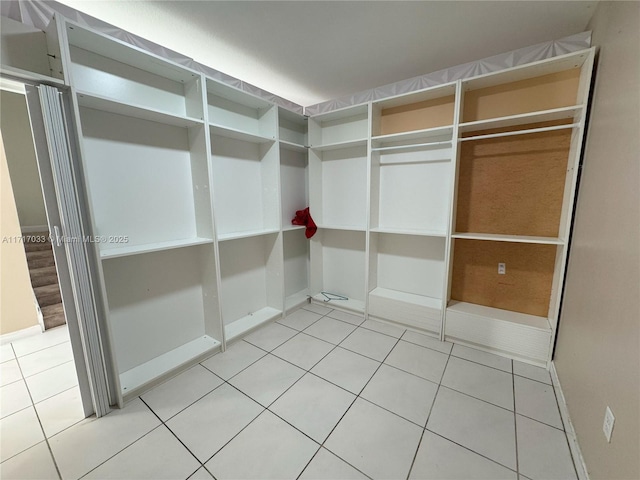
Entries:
{"x":318,"y":395}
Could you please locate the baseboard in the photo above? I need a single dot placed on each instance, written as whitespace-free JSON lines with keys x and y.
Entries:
{"x":34,"y":229}
{"x":20,"y":334}
{"x":578,"y":459}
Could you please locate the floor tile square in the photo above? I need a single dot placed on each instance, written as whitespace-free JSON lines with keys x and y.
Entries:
{"x":330,"y":330}
{"x":53,"y":381}
{"x":386,"y":328}
{"x":427,"y":341}
{"x":486,"y":383}
{"x":420,"y":361}
{"x":6,"y":353}
{"x":538,"y":401}
{"x":45,"y":359}
{"x":543,"y":452}
{"x":9,"y":372}
{"x":316,"y":308}
{"x":212,"y":421}
{"x":346,"y":369}
{"x":440,"y":459}
{"x":346,"y":317}
{"x":157,"y":455}
{"x":314,"y":406}
{"x":18,"y":432}
{"x":60,"y":411}
{"x":267,"y":379}
{"x":181,"y":391}
{"x":476,"y":425}
{"x":87,"y":444}
{"x":326,"y":466}
{"x":266,"y":449}
{"x":303,"y":350}
{"x":35,"y":463}
{"x":236,"y":358}
{"x":46,"y":339}
{"x":376,"y":442}
{"x":369,"y":343}
{"x":13,"y":398}
{"x":300,"y":319}
{"x":484,"y":358}
{"x":270,"y":336}
{"x":531,"y":372}
{"x":409,"y":396}
{"x":201,"y":474}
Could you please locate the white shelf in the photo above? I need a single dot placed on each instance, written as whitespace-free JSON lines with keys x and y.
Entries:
{"x":106,"y":104}
{"x":236,"y":134}
{"x":348,"y":228}
{"x":532,"y":321}
{"x":150,"y":372}
{"x":436,"y":135}
{"x":522,"y":119}
{"x":520,"y":132}
{"x":349,"y":304}
{"x":235,"y":95}
{"x":398,"y":231}
{"x":24,"y":74}
{"x":293,"y":146}
{"x":290,"y":228}
{"x":108,"y":253}
{"x":246,"y":324}
{"x":509,"y":238}
{"x":360,"y":142}
{"x":223,"y":237}
{"x":418,"y":300}
{"x":296,"y":299}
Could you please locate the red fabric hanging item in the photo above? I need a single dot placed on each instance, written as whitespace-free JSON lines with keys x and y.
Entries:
{"x":303,"y":217}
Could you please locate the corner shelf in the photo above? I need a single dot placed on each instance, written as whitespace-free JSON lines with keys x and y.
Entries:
{"x":237,"y":134}
{"x":223,"y":237}
{"x":294,"y":147}
{"x":109,"y":253}
{"x":250,"y":322}
{"x":349,"y":304}
{"x":509,"y":238}
{"x":419,"y":311}
{"x":348,"y":228}
{"x":406,"y":231}
{"x":360,"y":142}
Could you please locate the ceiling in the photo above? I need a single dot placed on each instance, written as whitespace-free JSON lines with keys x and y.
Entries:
{"x":311,"y":51}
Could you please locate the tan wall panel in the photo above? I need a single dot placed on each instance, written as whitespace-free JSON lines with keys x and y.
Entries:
{"x":526,"y":286}
{"x":541,"y":93}
{"x":417,"y":116}
{"x":513,"y":185}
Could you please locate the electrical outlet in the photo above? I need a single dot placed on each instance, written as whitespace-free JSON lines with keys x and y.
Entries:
{"x":502,"y":268}
{"x":609,"y":420}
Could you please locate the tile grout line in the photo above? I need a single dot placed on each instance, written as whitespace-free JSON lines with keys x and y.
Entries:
{"x":564,"y":430}
{"x":515,"y":421}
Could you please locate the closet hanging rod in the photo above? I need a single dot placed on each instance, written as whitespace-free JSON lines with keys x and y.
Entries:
{"x":414,"y":145}
{"x":520,"y":132}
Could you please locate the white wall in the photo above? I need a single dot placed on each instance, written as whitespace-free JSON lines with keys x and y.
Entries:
{"x":21,"y":158}
{"x":597,"y":355}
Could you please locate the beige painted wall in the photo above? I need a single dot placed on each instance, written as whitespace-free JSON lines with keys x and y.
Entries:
{"x":598,"y":350}
{"x":17,"y":307}
{"x":21,"y":158}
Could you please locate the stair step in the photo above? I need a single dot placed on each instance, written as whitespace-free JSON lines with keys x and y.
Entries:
{"x":39,"y":259}
{"x":48,"y":295}
{"x":36,"y":246}
{"x":53,"y":316}
{"x":43,"y":276}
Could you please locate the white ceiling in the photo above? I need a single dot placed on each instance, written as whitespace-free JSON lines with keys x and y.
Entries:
{"x":311,"y":51}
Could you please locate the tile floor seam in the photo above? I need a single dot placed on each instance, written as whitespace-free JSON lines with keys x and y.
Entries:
{"x":539,"y":421}
{"x":473,"y":361}
{"x":315,"y":321}
{"x":40,"y":349}
{"x":235,"y":374}
{"x":50,"y":368}
{"x":424,"y":429}
{"x":35,"y":411}
{"x":515,"y":420}
{"x":381,"y":333}
{"x":439,"y":351}
{"x":413,"y":374}
{"x":172,"y":433}
{"x":534,"y":380}
{"x":564,"y":430}
{"x":479,"y":399}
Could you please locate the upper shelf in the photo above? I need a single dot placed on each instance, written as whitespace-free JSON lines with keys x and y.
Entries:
{"x":509,"y":238}
{"x":360,"y":142}
{"x":407,"y":139}
{"x":234,"y":133}
{"x":126,"y":251}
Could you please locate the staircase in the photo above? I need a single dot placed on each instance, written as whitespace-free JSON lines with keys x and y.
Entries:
{"x":44,"y":280}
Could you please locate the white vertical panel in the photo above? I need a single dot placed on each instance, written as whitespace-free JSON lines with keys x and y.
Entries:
{"x":343,"y":261}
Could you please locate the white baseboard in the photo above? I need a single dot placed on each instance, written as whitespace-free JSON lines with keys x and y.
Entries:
{"x":20,"y":334}
{"x":578,"y":459}
{"x":34,"y":229}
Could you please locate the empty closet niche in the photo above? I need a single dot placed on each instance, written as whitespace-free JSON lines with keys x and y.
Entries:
{"x":338,"y":267}
{"x":410,"y":189}
{"x":110,"y":75}
{"x":514,"y":185}
{"x":148,"y":183}
{"x":406,"y":279}
{"x":293,"y":183}
{"x":165,"y":315}
{"x":414,"y":118}
{"x":246,"y":192}
{"x":340,"y":128}
{"x":251,"y":289}
{"x":296,"y":268}
{"x":237,"y":114}
{"x":500,"y":295}
{"x":293,"y":129}
{"x":338,"y":187}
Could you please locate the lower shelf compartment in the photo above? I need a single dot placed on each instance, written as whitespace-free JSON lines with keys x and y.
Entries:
{"x":249,"y":322}
{"x":351,"y":304}
{"x":295,"y":300}
{"x":516,"y":335}
{"x":418,"y":311}
{"x":133,"y":381}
